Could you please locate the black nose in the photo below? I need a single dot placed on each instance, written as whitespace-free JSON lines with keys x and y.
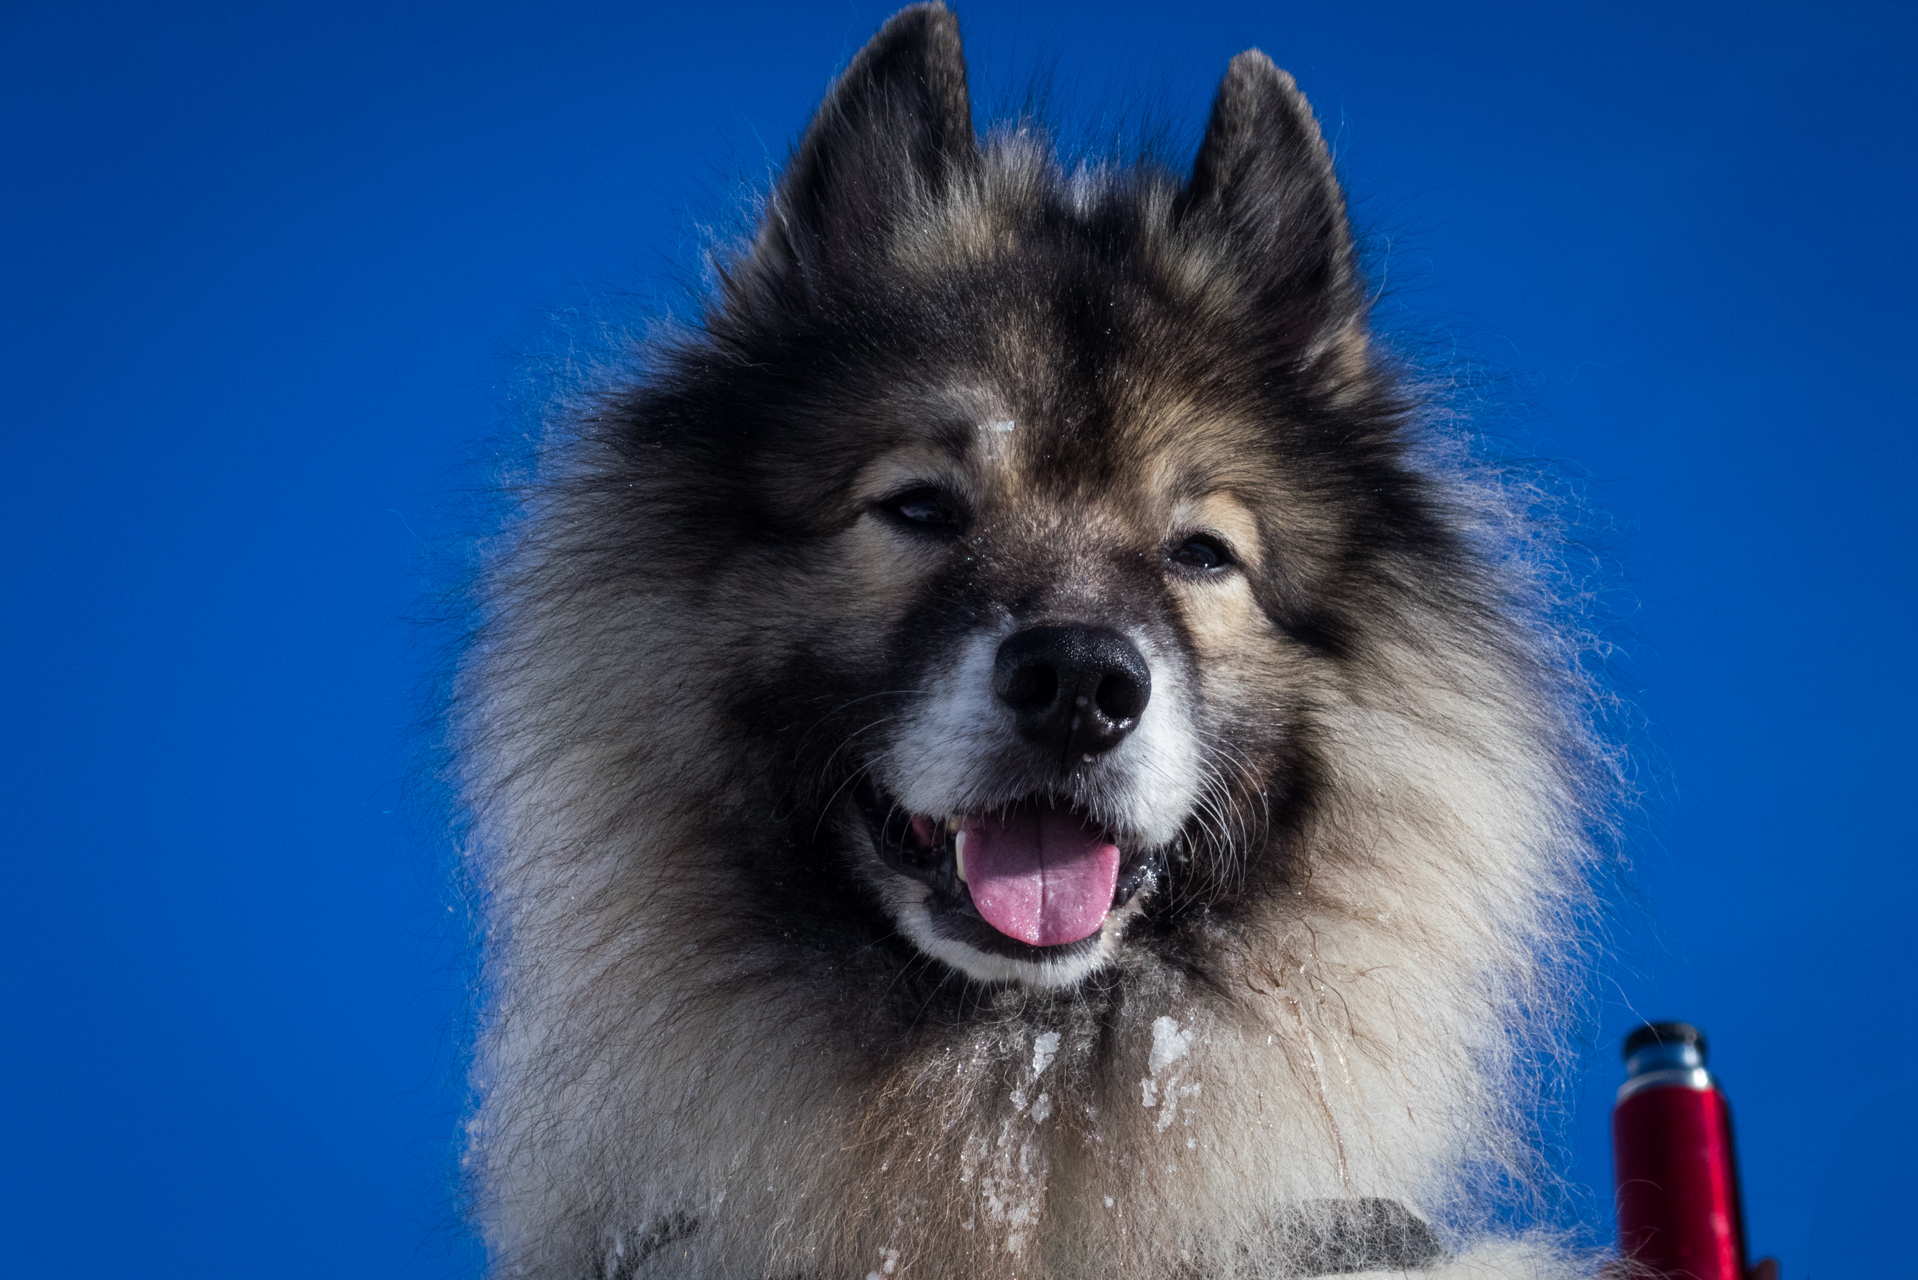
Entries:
{"x":1078,"y":690}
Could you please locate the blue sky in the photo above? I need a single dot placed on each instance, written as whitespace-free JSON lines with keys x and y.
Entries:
{"x":269,"y":276}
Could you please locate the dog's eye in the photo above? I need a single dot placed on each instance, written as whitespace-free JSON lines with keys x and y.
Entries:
{"x":1201,"y":553}
{"x":924,"y":510}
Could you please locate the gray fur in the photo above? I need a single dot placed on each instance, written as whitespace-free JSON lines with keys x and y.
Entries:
{"x":706,"y":1053}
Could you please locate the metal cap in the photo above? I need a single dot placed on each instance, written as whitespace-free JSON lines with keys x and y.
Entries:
{"x":1661,"y":1033}
{"x":1659,"y":1054}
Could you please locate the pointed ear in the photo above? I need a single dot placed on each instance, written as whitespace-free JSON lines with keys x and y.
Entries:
{"x":893,"y":130}
{"x":1263,"y":184}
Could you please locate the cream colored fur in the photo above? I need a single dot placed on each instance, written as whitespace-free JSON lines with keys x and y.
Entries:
{"x":672,"y":1083}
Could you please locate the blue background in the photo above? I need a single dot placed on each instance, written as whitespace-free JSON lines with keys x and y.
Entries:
{"x":270,"y":273}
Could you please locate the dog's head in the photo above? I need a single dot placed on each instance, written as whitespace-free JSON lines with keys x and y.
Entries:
{"x":1046,"y":502}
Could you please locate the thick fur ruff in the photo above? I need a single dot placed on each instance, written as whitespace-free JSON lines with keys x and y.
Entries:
{"x":722,"y":1038}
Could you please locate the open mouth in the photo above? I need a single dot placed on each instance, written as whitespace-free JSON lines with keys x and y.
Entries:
{"x":1039,"y":874}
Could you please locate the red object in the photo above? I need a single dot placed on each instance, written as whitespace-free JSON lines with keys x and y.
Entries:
{"x":1678,"y":1204}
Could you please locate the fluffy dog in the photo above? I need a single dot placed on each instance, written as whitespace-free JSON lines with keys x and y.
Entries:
{"x":1015,"y":748}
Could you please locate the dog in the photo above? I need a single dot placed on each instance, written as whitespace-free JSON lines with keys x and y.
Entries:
{"x":1019,"y":744}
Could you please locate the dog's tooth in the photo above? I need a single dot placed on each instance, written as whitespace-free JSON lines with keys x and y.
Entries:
{"x":959,"y":855}
{"x":952,"y":826}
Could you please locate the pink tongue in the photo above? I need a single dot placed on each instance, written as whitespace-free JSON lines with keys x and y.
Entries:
{"x":1041,"y":875}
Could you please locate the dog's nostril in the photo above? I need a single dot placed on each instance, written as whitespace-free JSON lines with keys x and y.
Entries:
{"x":1119,"y":697}
{"x":1031,"y":688}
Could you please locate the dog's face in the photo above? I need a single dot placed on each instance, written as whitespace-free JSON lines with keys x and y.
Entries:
{"x":1043,"y":650}
{"x":1048,"y":505}
{"x":1058,"y":710}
